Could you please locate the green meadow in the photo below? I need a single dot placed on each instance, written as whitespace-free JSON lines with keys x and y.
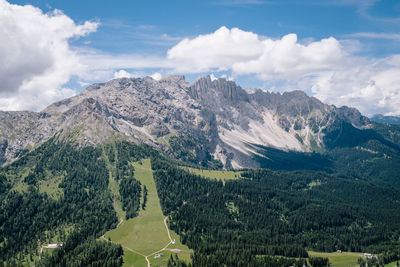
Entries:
{"x":146,"y":234}
{"x":344,"y":259}
{"x":213,"y":174}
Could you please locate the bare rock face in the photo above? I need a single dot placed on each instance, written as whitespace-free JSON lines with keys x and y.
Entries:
{"x":227,"y":121}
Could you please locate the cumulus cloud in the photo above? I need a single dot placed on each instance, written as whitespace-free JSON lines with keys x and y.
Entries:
{"x":373,"y":86}
{"x":248,"y":53}
{"x":218,"y":50}
{"x":327,"y":68}
{"x":122,"y":74}
{"x":156,"y":76}
{"x":286,"y":58}
{"x":36,"y":58}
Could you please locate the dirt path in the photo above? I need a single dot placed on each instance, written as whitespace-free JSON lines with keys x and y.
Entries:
{"x":161,"y":246}
{"x":172,"y":241}
{"x":166,"y":227}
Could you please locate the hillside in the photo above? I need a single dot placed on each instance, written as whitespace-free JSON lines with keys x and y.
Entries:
{"x":261,"y":217}
{"x":379,"y":118}
{"x":207,"y":174}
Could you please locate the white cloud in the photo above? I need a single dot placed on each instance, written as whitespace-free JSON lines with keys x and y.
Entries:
{"x":36,"y":58}
{"x":328,"y":68}
{"x":218,"y":50}
{"x":287,"y":59}
{"x":156,"y":76}
{"x":39,"y":62}
{"x":212,"y":77}
{"x":248,"y":53}
{"x":372,"y":86}
{"x":122,"y":74}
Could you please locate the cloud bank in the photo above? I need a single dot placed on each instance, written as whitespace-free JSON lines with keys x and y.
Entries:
{"x":36,"y":58}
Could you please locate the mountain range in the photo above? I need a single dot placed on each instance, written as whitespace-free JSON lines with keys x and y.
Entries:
{"x":379,"y":118}
{"x":210,"y":119}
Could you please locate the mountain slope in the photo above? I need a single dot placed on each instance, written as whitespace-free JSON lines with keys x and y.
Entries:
{"x":379,"y":118}
{"x":74,"y":174}
{"x":209,"y":120}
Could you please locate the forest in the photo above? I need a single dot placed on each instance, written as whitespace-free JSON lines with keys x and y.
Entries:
{"x":266,"y":218}
{"x":85,"y":209}
{"x":276,"y":213}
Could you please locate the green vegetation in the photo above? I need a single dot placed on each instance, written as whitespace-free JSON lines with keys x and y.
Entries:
{"x":214,"y":174}
{"x":393,"y":264}
{"x":146,"y":233}
{"x":58,"y":193}
{"x":273,"y":213}
{"x":192,"y":151}
{"x":39,"y":215}
{"x":344,"y":259}
{"x":50,"y":185}
{"x":113,"y":184}
{"x":133,"y":259}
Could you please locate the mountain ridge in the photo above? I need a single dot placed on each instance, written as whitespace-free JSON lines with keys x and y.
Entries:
{"x":379,"y":118}
{"x":226,"y":120}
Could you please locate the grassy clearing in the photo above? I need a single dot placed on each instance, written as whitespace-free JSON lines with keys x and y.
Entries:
{"x":113,"y":184}
{"x":344,"y":259}
{"x":133,"y":259}
{"x":217,"y":175}
{"x":164,"y":140}
{"x":146,"y":233}
{"x":392,"y":264}
{"x":50,"y":185}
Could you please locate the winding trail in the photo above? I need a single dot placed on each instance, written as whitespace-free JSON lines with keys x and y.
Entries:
{"x":171,"y":242}
{"x":132,"y":250}
{"x":166,"y":227}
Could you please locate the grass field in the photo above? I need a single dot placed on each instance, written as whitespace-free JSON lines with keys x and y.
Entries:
{"x":113,"y":184}
{"x":344,"y":259}
{"x":217,"y":175}
{"x":392,"y":264}
{"x":146,"y":234}
{"x":50,"y":185}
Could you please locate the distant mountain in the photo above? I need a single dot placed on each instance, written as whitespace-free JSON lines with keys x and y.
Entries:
{"x":386,"y":119}
{"x":205,"y":121}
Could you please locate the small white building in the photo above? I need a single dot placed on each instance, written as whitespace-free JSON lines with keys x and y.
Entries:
{"x":158,"y":256}
{"x":368,"y":255}
{"x":54,"y":245}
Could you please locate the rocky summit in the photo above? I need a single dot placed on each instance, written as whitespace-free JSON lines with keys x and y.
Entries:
{"x":212,"y":119}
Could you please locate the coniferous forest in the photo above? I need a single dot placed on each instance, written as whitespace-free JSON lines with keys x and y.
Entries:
{"x":276,"y":213}
{"x":266,"y":218}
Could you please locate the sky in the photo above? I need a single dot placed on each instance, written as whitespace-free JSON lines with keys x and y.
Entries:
{"x":343,"y":52}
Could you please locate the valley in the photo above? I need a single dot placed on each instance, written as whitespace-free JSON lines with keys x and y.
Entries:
{"x":147,"y":234}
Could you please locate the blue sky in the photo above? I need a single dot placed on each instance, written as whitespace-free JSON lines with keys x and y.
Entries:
{"x":366,"y":37}
{"x":140,"y":26}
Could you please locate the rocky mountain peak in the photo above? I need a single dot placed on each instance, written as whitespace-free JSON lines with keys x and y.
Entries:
{"x":216,"y":114}
{"x":205,"y":86}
